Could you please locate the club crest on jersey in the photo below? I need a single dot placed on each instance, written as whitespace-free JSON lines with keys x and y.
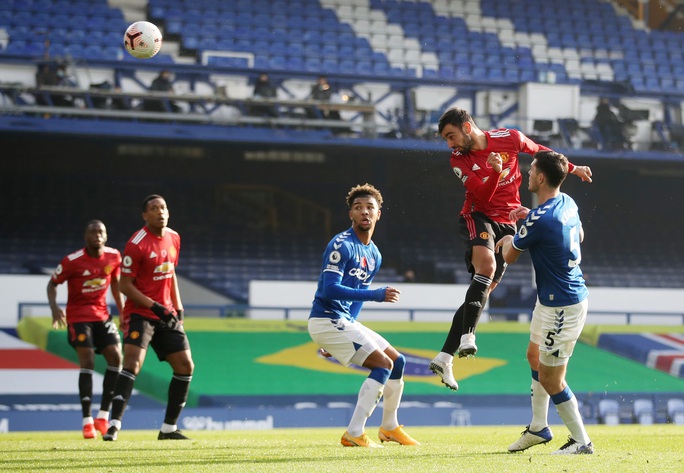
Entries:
{"x":484,"y":235}
{"x":504,"y":156}
{"x":108,"y":269}
{"x":81,"y":337}
{"x":172,"y":252}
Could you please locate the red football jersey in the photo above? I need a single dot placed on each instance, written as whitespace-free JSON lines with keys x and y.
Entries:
{"x":472,"y":169}
{"x":151,"y":260}
{"x":87,"y":279}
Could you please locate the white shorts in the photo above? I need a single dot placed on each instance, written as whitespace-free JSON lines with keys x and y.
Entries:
{"x":556,"y":331}
{"x":349,"y":342}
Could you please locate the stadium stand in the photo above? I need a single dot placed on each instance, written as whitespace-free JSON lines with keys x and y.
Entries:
{"x":463,"y":47}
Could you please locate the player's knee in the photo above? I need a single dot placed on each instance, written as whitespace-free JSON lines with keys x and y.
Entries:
{"x":184,"y":366}
{"x":381,"y":375}
{"x":398,"y":369}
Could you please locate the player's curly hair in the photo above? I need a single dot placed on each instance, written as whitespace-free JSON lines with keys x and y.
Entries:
{"x":362,"y":191}
{"x":456,"y":117}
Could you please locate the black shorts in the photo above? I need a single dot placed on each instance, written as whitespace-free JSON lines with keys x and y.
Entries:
{"x":165,"y":339}
{"x":477,"y":229}
{"x":97,"y":335}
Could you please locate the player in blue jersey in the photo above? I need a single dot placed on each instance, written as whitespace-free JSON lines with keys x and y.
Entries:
{"x":552,"y":232}
{"x":350,"y":262}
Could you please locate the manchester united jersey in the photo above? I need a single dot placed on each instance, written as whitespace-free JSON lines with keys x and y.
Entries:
{"x":151,"y":260}
{"x":472,"y":169}
{"x":87,"y":279}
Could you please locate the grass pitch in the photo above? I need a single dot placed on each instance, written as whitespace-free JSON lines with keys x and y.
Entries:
{"x":624,"y":449}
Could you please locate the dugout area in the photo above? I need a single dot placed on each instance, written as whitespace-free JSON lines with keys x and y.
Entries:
{"x":268,"y":373}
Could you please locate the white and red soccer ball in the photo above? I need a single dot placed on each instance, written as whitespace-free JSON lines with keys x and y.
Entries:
{"x":142,"y":39}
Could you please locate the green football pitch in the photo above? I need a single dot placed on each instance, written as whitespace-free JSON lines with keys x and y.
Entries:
{"x":244,"y":358}
{"x":620,"y":449}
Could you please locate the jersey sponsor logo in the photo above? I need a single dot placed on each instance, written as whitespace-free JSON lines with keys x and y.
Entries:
{"x":94,"y":285}
{"x":164,"y":271}
{"x":127,"y":261}
{"x":165,"y":267}
{"x":504,"y":174}
{"x":484,"y":235}
{"x":335,"y":257}
{"x":359,"y":273}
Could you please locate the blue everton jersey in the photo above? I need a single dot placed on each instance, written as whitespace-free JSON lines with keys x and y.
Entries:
{"x":350,"y":263}
{"x":552,"y":234}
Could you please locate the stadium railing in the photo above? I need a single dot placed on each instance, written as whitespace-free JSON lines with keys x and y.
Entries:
{"x":202,"y":107}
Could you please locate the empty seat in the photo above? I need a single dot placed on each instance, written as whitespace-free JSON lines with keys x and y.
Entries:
{"x":609,"y":412}
{"x":675,"y":411}
{"x":644,"y":412}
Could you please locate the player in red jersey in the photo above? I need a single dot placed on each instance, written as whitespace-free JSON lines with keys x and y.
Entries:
{"x":89,"y":272}
{"x":153,"y":316}
{"x":487,"y":164}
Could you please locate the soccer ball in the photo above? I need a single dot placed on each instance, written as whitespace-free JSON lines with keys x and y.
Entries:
{"x":142,"y":39}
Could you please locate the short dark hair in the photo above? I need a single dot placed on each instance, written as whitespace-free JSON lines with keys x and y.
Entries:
{"x":554,"y":166}
{"x":94,"y":222}
{"x":363,"y":191}
{"x":148,"y":198}
{"x":454,"y":116}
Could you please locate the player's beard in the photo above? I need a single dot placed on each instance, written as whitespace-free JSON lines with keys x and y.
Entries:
{"x":468,"y":143}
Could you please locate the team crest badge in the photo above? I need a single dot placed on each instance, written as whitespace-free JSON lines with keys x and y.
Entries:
{"x":484,"y":235}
